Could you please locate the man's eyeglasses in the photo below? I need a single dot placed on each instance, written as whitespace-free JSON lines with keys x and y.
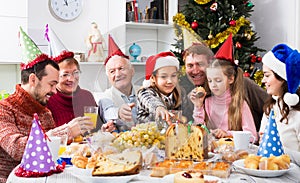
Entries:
{"x":75,"y":74}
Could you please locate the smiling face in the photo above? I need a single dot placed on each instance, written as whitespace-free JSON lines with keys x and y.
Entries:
{"x":68,"y":77}
{"x":218,"y":82}
{"x":46,"y":87}
{"x":273,"y":85}
{"x":166,"y":79}
{"x":120,"y":73}
{"x":195,"y":68}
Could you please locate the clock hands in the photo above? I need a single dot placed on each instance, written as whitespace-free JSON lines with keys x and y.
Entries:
{"x":66,"y":2}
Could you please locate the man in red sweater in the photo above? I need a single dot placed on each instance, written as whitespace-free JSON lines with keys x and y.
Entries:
{"x":39,"y":77}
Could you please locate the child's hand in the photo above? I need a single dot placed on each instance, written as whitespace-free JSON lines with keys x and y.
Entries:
{"x":197,"y":96}
{"x":162,"y":113}
{"x":219,"y":133}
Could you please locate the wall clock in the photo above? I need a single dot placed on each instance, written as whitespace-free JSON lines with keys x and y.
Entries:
{"x":65,"y":10}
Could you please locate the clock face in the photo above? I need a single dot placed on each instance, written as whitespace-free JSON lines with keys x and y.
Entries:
{"x":65,"y":10}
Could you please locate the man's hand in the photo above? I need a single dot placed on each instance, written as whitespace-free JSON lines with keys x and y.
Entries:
{"x":80,"y":125}
{"x":108,"y":127}
{"x":125,"y":113}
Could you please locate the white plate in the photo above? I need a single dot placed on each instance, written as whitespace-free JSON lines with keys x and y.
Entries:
{"x":86,"y":175}
{"x":260,"y":173}
{"x":170,"y":178}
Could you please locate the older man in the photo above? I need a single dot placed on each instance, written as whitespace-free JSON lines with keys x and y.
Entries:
{"x":117,"y":104}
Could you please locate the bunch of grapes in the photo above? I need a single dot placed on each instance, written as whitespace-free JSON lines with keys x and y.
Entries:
{"x":143,"y":135}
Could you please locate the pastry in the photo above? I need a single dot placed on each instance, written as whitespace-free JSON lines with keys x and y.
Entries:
{"x":125,"y":163}
{"x":241,"y":154}
{"x":188,"y":177}
{"x":184,"y":145}
{"x":161,"y":169}
{"x":225,"y":141}
{"x":79,"y":161}
{"x":200,"y":92}
{"x":267,"y":163}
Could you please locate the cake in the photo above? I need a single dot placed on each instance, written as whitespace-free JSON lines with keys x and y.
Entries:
{"x":188,"y":177}
{"x":182,"y":144}
{"x":125,"y":163}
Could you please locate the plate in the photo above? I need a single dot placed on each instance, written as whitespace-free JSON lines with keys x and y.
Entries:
{"x":261,"y":173}
{"x":86,"y":175}
{"x":170,"y":178}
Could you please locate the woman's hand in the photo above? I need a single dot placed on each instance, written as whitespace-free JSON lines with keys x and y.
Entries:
{"x":219,"y":133}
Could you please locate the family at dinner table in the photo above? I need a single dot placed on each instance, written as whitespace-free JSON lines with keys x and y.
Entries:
{"x":229,"y":101}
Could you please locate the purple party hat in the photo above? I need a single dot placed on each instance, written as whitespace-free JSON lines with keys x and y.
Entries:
{"x":270,"y":144}
{"x":37,"y":156}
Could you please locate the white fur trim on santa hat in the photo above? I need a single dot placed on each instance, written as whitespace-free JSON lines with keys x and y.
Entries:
{"x":146,"y":83}
{"x":291,"y":99}
{"x":274,"y":64}
{"x":165,"y":62}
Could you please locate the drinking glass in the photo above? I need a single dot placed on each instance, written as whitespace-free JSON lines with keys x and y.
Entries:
{"x":92,"y":112}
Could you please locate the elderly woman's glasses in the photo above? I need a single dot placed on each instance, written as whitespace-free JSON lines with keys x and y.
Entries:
{"x":75,"y":74}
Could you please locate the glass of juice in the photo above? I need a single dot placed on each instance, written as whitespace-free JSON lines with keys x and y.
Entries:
{"x":63,"y":144}
{"x":92,"y":112}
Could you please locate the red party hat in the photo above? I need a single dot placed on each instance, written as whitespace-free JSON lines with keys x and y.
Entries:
{"x":113,"y":49}
{"x":225,"y":52}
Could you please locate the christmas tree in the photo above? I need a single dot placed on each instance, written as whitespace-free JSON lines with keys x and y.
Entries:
{"x":213,"y":21}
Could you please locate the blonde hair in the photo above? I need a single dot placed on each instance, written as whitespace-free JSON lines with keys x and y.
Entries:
{"x":236,"y":91}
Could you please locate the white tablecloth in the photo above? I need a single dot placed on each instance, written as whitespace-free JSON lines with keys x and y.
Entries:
{"x":72,"y":175}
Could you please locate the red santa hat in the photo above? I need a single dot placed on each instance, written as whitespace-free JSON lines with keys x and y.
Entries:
{"x":113,"y":50}
{"x":158,"y":61}
{"x":57,"y":51}
{"x":225,"y":52}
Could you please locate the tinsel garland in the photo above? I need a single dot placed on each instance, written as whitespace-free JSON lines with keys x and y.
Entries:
{"x":179,"y":19}
{"x":258,"y":76}
{"x":202,"y":1}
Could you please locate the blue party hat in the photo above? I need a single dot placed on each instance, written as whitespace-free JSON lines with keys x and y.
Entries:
{"x":271,"y":144}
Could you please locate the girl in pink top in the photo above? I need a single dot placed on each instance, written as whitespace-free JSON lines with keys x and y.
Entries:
{"x":224,"y":109}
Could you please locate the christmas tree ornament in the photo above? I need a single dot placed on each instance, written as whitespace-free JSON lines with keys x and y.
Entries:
{"x":285,"y":62}
{"x":253,"y":58}
{"x":270,"y":144}
{"x":246,"y":74}
{"x":249,"y":4}
{"x":238,"y":45}
{"x":214,"y":6}
{"x":210,"y":36}
{"x":259,"y":58}
{"x":194,"y":25}
{"x":247,"y":36}
{"x":232,"y":23}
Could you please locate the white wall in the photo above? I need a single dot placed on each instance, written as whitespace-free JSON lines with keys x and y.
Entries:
{"x":277,"y":21}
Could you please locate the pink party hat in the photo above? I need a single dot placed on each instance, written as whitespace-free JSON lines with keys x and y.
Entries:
{"x":270,"y":144}
{"x":37,"y":159}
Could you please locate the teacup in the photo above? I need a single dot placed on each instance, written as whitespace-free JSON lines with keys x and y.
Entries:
{"x":242,"y":139}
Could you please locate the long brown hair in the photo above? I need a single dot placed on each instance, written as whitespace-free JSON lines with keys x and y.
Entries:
{"x":284,"y":108}
{"x":236,"y":92}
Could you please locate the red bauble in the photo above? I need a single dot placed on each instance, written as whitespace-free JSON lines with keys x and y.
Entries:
{"x":238,"y":45}
{"x":246,"y":74}
{"x":232,"y":23}
{"x":194,"y":24}
{"x":259,"y":59}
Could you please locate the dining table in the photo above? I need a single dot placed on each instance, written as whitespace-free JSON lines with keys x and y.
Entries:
{"x":75,"y":175}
